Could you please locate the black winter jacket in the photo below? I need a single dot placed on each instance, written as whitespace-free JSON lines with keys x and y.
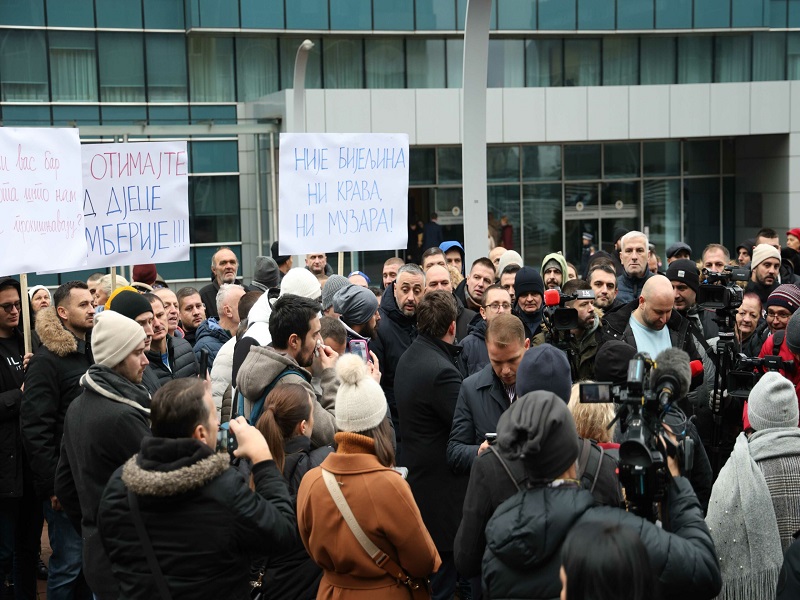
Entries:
{"x":182,"y":361}
{"x":11,"y":453}
{"x":464,"y":318}
{"x":525,"y":535}
{"x":474,"y":354}
{"x":204,"y":522}
{"x":51,"y":384}
{"x":427,"y":391}
{"x":392,"y":338}
{"x":103,"y":428}
{"x":292,"y":573}
{"x":616,"y":326}
{"x":481,"y":401}
{"x":490,"y":485}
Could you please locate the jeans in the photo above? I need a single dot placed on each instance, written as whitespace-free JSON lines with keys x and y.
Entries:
{"x":20,"y":530}
{"x":65,"y":579}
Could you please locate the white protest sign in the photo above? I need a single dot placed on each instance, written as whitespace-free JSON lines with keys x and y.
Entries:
{"x":41,"y":215}
{"x":136,"y":203}
{"x":343,"y":192}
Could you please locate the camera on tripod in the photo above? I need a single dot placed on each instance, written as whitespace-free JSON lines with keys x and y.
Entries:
{"x":646,"y":413}
{"x":559,"y":317}
{"x":719,"y":290}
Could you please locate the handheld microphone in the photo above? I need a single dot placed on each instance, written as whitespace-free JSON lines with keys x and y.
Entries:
{"x":697,"y":368}
{"x":552,"y":297}
{"x":672,"y":376}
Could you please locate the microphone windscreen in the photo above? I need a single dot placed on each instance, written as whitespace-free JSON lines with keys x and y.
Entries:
{"x":697,"y":368}
{"x":552,"y":297}
{"x":673,"y":364}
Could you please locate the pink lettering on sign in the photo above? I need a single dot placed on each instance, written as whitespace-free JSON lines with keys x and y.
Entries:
{"x":116,"y":165}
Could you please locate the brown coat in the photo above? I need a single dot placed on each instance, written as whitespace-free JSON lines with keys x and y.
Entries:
{"x":384,"y":507}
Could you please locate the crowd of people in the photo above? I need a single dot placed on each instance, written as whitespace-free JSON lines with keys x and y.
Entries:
{"x":311,"y":435}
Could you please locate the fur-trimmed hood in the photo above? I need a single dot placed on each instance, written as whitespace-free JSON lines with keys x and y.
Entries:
{"x":53,"y":334}
{"x":169,"y":467}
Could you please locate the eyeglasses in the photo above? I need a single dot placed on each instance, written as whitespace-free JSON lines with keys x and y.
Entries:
{"x":778,"y":316}
{"x":9,"y":305}
{"x":496,"y":306}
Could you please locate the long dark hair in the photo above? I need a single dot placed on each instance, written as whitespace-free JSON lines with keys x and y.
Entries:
{"x":383,"y":436}
{"x":604,"y":561}
{"x":285,"y":407}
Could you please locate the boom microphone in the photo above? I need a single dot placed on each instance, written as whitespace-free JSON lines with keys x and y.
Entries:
{"x":672,"y":376}
{"x":552,"y":297}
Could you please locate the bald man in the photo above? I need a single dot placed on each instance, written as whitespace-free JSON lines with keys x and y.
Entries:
{"x":648,"y":323}
{"x":495,"y":254}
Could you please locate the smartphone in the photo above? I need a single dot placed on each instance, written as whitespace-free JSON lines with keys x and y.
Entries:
{"x":203,"y":363}
{"x":491,"y":438}
{"x":360,"y":348}
{"x":593,"y":393}
{"x":226,"y":440}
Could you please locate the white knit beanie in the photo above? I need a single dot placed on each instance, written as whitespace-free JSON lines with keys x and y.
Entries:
{"x":772,"y":403}
{"x":114,"y":337}
{"x":762,"y":252}
{"x":301,"y":282}
{"x":360,"y":403}
{"x":508,"y":257}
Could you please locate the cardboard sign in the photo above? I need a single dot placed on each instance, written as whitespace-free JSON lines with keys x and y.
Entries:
{"x":343,"y":192}
{"x":41,"y":216}
{"x":135,"y":203}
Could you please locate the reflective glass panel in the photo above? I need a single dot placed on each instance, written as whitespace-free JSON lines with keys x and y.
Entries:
{"x":166,"y":79}
{"x":694,"y":59}
{"x":351,"y":14}
{"x":701,"y":218}
{"x":778,"y":13}
{"x":70,"y":13}
{"x":620,"y":195}
{"x":544,"y":63}
{"x":658,"y":60}
{"x":211,"y":69}
{"x":635,"y":14}
{"x":504,"y":201}
{"x":662,"y":210}
{"x":793,"y":55}
{"x":701,"y":157}
{"x":661,"y":158}
{"x":256,"y":67}
{"x":620,"y":61}
{"x":113,"y":13}
{"x":582,"y":161}
{"x":541,"y":217}
{"x":22,"y":12}
{"x":435,"y":14}
{"x":23,"y":65}
{"x":343,"y":63}
{"x":385,"y":62}
{"x":673,"y":14}
{"x":214,"y":209}
{"x":214,"y":157}
{"x":73,"y":66}
{"x":425,"y":63}
{"x":769,"y":56}
{"x":159,"y":14}
{"x":580,"y":196}
{"x":121,"y":67}
{"x":712,"y":13}
{"x":596,"y":14}
{"x":455,"y":62}
{"x":581,"y":62}
{"x":747,"y":13}
{"x":266,"y":14}
{"x":516,"y":14}
{"x":505,"y":62}
{"x":541,"y":163}
{"x":621,"y":160}
{"x":502,"y":163}
{"x":449,"y":164}
{"x":422,"y":166}
{"x":557,"y":15}
{"x":307,"y":14}
{"x":392,"y":15}
{"x":732,"y":58}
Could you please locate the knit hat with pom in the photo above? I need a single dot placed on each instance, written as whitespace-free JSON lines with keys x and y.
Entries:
{"x":360,"y":403}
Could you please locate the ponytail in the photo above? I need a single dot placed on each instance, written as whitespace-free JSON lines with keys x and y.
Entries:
{"x":286,"y":406}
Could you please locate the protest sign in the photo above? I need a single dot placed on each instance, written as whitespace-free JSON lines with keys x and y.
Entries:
{"x":343,"y":192}
{"x":135,"y":203}
{"x":41,"y":217}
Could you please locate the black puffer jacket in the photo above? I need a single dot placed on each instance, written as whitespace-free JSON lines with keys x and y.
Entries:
{"x":292,"y":573}
{"x":525,"y":535}
{"x":51,"y":384}
{"x":182,"y":361}
{"x":203,"y":520}
{"x":393,"y":337}
{"x":11,"y":463}
{"x":474,"y":354}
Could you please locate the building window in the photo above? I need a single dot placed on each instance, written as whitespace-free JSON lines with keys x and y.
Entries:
{"x":658,"y":61}
{"x":732,"y":60}
{"x":694,"y":59}
{"x":620,"y":61}
{"x":166,"y":79}
{"x":343,"y":63}
{"x":121,"y":67}
{"x":385,"y":63}
{"x":581,"y":62}
{"x":211,"y":69}
{"x":73,"y":66}
{"x":23,"y":65}
{"x":256,"y":68}
{"x":426,"y":63}
{"x":544,"y":63}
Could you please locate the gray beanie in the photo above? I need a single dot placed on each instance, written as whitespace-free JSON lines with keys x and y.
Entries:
{"x":356,"y":304}
{"x":772,"y":403}
{"x":508,"y":257}
{"x":360,"y":403}
{"x":333,"y":285}
{"x":793,"y":333}
{"x":267,"y":272}
{"x":114,"y":337}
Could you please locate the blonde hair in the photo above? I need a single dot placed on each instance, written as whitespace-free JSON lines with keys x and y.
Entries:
{"x":592,"y":419}
{"x":455,"y":276}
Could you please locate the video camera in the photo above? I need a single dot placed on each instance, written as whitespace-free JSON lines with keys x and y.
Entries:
{"x":747,"y":371}
{"x":728,"y":295}
{"x":647,"y":408}
{"x":559,"y":317}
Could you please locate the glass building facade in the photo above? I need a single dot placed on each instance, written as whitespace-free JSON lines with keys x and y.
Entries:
{"x":113,"y":63}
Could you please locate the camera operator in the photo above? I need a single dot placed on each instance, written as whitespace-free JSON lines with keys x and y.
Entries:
{"x":198,"y":520}
{"x":525,"y":535}
{"x":582,"y":341}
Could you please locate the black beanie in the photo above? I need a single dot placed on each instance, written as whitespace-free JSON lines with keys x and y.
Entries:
{"x":684,"y":271}
{"x":539,"y":430}
{"x":528,"y":280}
{"x":130,"y":304}
{"x":544,"y":368}
{"x":611,"y":361}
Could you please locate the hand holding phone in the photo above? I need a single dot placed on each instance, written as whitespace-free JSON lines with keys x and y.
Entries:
{"x":360,"y":348}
